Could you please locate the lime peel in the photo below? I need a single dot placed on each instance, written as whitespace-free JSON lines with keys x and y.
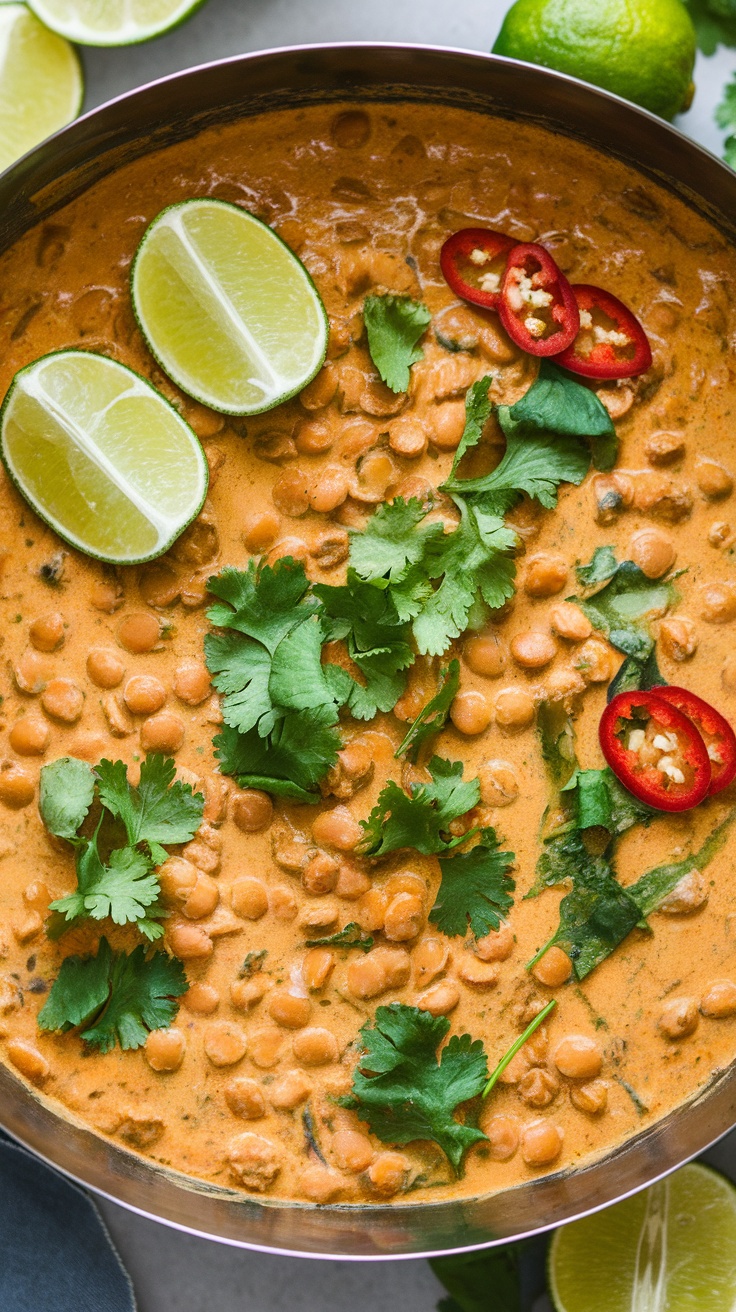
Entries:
{"x":114,"y":23}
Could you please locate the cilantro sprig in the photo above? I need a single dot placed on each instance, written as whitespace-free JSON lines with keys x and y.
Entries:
{"x":433,"y":717}
{"x":116,"y":879}
{"x":422,"y":817}
{"x":394,"y":326}
{"x":476,"y":889}
{"x":114,"y":996}
{"x":403,"y":1092}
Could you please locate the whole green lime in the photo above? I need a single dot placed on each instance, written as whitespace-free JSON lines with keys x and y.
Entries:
{"x":643,"y":50}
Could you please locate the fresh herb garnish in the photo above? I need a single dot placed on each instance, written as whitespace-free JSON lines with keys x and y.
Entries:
{"x":279,"y":702}
{"x":422,"y":818}
{"x":511,"y":1052}
{"x":114,"y":880}
{"x":404,"y":1093}
{"x":715,"y":24}
{"x":394,"y":326}
{"x":478,"y":410}
{"x":433,"y":717}
{"x":476,"y":889}
{"x":377,"y":642}
{"x":351,"y":936}
{"x":114,"y":996}
{"x":556,"y":403}
{"x":535,"y":465}
{"x":289,"y":763}
{"x":392,"y":550}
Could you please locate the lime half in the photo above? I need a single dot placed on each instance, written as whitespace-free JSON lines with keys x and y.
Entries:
{"x":41,"y":85}
{"x":229,"y":312}
{"x":112,"y":22}
{"x":671,"y":1248}
{"x":101,"y":456}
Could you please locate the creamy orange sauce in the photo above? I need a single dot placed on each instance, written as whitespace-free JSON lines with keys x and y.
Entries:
{"x":366,"y":198}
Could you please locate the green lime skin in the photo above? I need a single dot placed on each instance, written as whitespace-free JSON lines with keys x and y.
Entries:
{"x":643,"y":50}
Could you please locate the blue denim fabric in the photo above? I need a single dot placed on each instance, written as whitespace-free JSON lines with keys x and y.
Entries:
{"x":55,"y":1254}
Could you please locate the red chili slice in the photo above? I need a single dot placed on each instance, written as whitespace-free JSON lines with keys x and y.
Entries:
{"x":611,"y":342}
{"x":537,"y":306}
{"x":655,"y":751}
{"x":473,"y":261}
{"x":714,"y":729}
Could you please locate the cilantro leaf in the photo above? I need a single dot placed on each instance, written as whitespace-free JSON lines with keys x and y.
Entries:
{"x":116,"y":996}
{"x":403,"y":1093}
{"x":391,"y":550}
{"x":476,"y":889}
{"x":394,"y":325}
{"x":79,"y":991}
{"x":478,"y":410}
{"x":162,"y":809}
{"x":725,"y":113}
{"x":65,"y":794}
{"x":557,"y":403}
{"x":535,"y":465}
{"x":268,"y":657}
{"x":291,"y":762}
{"x":433,"y":717}
{"x":264,"y":602}
{"x":377,"y":642}
{"x":714,"y":22}
{"x":126,"y":889}
{"x":475,"y":565}
{"x":351,"y":936}
{"x":421,"y":819}
{"x":623,"y":607}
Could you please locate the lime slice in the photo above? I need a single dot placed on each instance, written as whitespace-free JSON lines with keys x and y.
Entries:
{"x":112,"y":22}
{"x":101,"y":456}
{"x":227,"y":309}
{"x":41,"y":85}
{"x":668,"y":1249}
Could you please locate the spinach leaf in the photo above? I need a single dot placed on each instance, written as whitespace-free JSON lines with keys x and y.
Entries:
{"x":557,"y":737}
{"x":556,"y":403}
{"x":637,"y":675}
{"x":601,"y":800}
{"x":623,"y":608}
{"x":595,"y":916}
{"x":653,"y":887}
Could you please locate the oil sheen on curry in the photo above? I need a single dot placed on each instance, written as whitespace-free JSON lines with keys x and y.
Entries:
{"x":378,"y":663}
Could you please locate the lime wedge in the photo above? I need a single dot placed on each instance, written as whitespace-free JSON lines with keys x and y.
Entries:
{"x":229,"y":312}
{"x":112,"y":22}
{"x":101,"y":456}
{"x":671,"y":1248}
{"x":41,"y":85}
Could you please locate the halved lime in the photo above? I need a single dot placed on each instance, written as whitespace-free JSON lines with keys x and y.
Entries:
{"x":671,"y":1248}
{"x":101,"y":456}
{"x":41,"y":87}
{"x":113,"y":22}
{"x":229,"y":312}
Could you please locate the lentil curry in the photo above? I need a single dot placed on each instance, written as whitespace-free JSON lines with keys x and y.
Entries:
{"x":258,"y":1081}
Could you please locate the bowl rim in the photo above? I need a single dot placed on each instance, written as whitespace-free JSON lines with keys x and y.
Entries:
{"x":122,"y":1176}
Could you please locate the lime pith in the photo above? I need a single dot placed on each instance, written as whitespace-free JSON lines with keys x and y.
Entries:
{"x":226,"y":308}
{"x":41,"y":86}
{"x":105,"y":460}
{"x":113,"y":22}
{"x":671,"y":1247}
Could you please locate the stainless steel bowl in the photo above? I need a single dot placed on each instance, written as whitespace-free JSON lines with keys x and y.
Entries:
{"x":177,"y":107}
